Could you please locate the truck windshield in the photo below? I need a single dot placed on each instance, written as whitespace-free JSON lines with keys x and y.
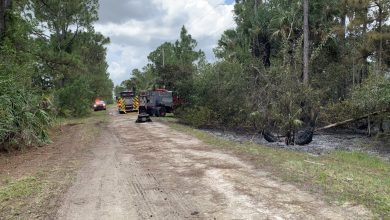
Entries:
{"x":127,"y":94}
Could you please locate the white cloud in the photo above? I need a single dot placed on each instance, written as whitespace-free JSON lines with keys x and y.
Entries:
{"x":134,"y":37}
{"x":122,"y":59}
{"x":144,"y":30}
{"x":205,"y":17}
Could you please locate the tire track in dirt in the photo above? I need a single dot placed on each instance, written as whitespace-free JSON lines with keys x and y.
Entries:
{"x":151,"y":197}
{"x":99,"y":191}
{"x":153,"y":200}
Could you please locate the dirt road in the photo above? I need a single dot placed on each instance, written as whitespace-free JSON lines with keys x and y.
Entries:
{"x":149,"y":171}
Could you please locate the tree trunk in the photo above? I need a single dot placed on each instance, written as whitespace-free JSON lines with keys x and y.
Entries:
{"x":261,"y":48}
{"x":364,"y":71}
{"x":306,"y":42}
{"x":352,"y":120}
{"x":5,"y":5}
{"x":267,"y":53}
{"x":255,"y":7}
{"x":2,"y":18}
{"x":380,"y":11}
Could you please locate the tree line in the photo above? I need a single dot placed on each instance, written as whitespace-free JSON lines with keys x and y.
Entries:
{"x":52,"y":63}
{"x":286,"y":65}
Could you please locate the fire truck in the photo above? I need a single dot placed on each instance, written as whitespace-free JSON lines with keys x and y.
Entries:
{"x":127,"y":102}
{"x":159,"y":102}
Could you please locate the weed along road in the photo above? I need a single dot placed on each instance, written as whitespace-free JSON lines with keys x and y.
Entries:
{"x":150,"y":171}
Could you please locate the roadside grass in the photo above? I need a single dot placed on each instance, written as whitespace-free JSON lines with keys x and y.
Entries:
{"x":94,"y":117}
{"x":168,"y":118}
{"x":341,"y":176}
{"x":16,"y":193}
{"x":16,"y":189}
{"x":88,"y":123}
{"x":33,"y":194}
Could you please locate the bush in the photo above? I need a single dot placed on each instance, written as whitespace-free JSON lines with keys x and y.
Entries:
{"x":372,"y":95}
{"x":75,"y":98}
{"x":198,"y":117}
{"x":22,"y":121}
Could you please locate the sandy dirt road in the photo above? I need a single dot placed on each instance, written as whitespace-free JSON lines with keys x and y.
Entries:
{"x":149,"y":171}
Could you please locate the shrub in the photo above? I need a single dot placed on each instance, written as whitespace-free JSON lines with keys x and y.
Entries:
{"x":22,"y":121}
{"x":75,"y":98}
{"x":197,"y":116}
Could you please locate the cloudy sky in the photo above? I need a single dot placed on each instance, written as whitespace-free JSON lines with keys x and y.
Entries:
{"x":137,"y":27}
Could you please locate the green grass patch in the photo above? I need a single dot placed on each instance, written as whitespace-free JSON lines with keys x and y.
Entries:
{"x":168,"y":118}
{"x":19,"y":189}
{"x":343,"y":176}
{"x":94,"y":117}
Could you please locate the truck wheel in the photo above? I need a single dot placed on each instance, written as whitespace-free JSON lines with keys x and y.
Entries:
{"x":157,"y":112}
{"x":148,"y":111}
{"x":163,"y":112}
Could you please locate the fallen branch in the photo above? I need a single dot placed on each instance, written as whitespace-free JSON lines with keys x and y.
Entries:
{"x":352,"y":120}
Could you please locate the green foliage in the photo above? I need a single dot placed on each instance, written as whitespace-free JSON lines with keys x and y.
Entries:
{"x":75,"y":98}
{"x":338,"y":111}
{"x":23,"y":116}
{"x":222,"y":88}
{"x":68,"y":64}
{"x":141,"y":80}
{"x":73,"y":59}
{"x":22,"y":121}
{"x":198,"y":117}
{"x":118,"y":89}
{"x":372,"y":95}
{"x":173,"y":65}
{"x":262,"y":84}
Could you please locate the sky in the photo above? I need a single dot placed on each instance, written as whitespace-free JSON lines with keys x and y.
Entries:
{"x":137,"y":27}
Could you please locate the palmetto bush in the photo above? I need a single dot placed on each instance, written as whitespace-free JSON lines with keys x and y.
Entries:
{"x":23,"y":122}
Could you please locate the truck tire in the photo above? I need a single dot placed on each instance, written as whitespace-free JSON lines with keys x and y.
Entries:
{"x":162,"y":112}
{"x":157,"y":112}
{"x":149,"y":112}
